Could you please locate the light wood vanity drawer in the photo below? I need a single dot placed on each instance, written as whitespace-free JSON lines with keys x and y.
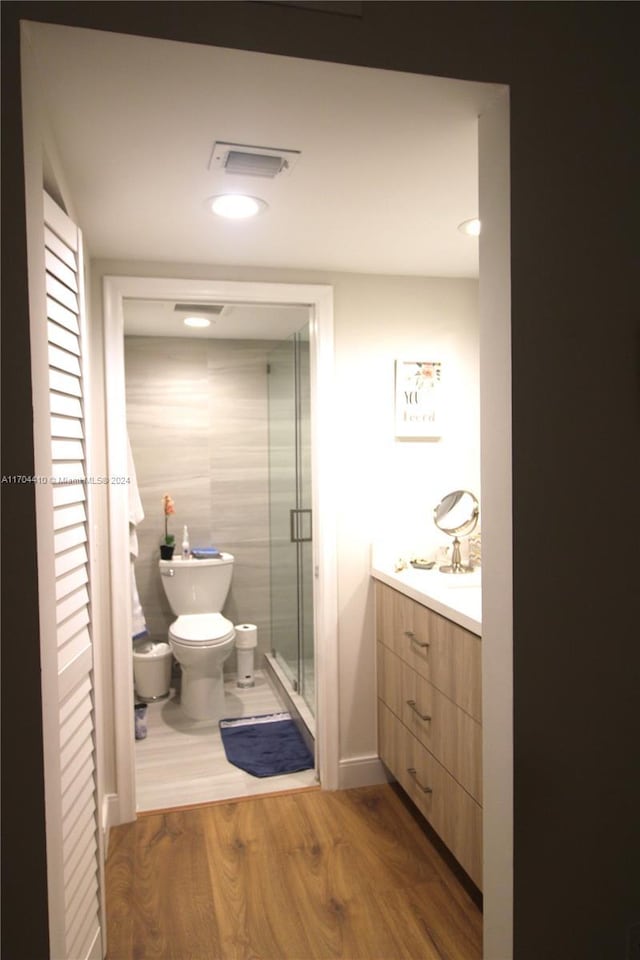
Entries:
{"x":450,"y":734}
{"x":451,"y":811}
{"x":441,"y":651}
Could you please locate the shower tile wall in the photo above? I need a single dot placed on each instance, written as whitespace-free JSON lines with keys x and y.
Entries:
{"x":198,"y":426}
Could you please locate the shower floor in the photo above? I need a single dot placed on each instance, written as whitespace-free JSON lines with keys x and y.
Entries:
{"x":183,"y":761}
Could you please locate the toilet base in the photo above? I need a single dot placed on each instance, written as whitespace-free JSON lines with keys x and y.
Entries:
{"x":202,"y":697}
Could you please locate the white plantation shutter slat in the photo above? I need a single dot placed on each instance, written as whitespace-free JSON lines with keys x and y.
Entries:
{"x":61,"y":294}
{"x":63,"y":338}
{"x":69,"y":538}
{"x":86,"y":848}
{"x":83,"y":921}
{"x":65,"y":585}
{"x":72,"y":648}
{"x":68,"y":516}
{"x":64,"y":405}
{"x":62,"y":360}
{"x":64,"y":383}
{"x":74,"y":743}
{"x":76,"y":855}
{"x":65,"y":470}
{"x":65,"y":493}
{"x":62,"y":315}
{"x":76,"y":700}
{"x":76,"y":669}
{"x":75,"y":603}
{"x":78,"y":828}
{"x":89,"y":946}
{"x":76,"y":878}
{"x":70,"y":559}
{"x":67,"y":450}
{"x":83,"y":758}
{"x":59,"y":269}
{"x":60,"y":248}
{"x":69,"y":427}
{"x":77,"y":800}
{"x":72,"y":626}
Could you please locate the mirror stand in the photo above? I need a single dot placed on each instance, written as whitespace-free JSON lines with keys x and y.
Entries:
{"x":457,"y":513}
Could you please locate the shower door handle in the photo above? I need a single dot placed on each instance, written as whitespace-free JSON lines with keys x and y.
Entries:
{"x":298,"y":520}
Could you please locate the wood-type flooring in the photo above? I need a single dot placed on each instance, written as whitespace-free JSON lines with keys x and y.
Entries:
{"x":294,"y":876}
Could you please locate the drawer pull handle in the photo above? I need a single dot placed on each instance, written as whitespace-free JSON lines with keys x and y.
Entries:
{"x":414,"y":776}
{"x":423,"y":716}
{"x":410,"y":635}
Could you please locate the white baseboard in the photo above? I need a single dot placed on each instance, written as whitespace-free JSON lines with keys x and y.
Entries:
{"x":361,"y":772}
{"x":110,"y":817}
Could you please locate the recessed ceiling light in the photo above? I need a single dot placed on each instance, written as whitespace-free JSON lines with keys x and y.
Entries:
{"x":197,"y":322}
{"x":470,"y":227}
{"x":237,"y":206}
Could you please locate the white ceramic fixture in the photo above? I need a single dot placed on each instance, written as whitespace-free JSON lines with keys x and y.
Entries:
{"x":201,"y":638}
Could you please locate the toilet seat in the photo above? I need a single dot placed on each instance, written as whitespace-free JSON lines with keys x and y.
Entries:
{"x":201,"y":629}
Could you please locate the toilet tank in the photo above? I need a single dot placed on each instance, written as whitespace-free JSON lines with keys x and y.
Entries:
{"x":197,"y":586}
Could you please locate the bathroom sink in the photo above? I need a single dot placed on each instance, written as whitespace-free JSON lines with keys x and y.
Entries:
{"x":457,"y":581}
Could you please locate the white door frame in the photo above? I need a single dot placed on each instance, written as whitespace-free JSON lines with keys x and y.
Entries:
{"x":319,"y":298}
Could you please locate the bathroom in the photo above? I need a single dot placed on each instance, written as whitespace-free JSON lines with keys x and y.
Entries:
{"x":211,"y":423}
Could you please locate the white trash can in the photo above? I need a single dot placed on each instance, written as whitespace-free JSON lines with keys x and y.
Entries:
{"x":246,"y":643}
{"x":151,"y":669}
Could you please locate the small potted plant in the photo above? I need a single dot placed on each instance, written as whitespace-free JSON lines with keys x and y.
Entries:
{"x":167,"y":546}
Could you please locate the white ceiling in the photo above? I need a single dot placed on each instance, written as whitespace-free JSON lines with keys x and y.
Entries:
{"x":388,"y":164}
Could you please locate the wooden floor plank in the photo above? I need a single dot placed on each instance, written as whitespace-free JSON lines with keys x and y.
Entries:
{"x":120,"y":877}
{"x":256,"y":907}
{"x":347,"y":875}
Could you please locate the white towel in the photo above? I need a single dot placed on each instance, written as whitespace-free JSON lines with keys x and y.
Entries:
{"x":138,"y":622}
{"x":136,"y":514}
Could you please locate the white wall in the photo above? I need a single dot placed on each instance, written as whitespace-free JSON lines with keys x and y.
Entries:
{"x":497,"y":589}
{"x":388,"y":487}
{"x":385,"y":486}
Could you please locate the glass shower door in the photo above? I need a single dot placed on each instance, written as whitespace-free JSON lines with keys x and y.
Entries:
{"x":306,"y":662}
{"x":290,"y":513}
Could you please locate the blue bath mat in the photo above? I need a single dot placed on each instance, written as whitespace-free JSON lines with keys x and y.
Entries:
{"x":265,"y":746}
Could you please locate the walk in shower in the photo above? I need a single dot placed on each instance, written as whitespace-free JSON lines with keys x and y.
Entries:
{"x":292,"y":633}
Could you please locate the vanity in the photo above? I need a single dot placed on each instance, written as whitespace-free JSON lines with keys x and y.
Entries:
{"x":428,"y":629}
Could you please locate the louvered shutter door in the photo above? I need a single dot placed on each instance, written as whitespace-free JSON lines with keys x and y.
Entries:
{"x":73,"y":853}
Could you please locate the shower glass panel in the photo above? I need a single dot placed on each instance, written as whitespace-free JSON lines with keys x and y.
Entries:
{"x":290,"y":513}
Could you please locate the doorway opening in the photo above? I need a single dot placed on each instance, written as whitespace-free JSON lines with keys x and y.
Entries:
{"x":298,"y":488}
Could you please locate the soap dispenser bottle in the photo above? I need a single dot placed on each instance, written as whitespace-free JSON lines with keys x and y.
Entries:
{"x":185,"y":544}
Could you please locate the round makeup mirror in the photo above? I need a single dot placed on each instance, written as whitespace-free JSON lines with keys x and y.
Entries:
{"x":457,"y":515}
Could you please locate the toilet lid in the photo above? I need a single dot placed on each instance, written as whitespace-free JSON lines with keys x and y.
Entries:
{"x":197,"y":628}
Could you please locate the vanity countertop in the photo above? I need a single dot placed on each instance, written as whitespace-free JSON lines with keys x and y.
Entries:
{"x":457,"y":597}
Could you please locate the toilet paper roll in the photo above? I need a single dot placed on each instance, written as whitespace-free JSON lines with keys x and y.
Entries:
{"x":246,"y":636}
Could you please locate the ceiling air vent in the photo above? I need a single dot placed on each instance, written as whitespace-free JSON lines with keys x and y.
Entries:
{"x":247,"y":161}
{"x":213,"y":308}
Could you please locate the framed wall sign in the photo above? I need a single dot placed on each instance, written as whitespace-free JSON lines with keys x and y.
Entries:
{"x":418,"y":398}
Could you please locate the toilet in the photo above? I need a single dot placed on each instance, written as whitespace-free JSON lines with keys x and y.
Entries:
{"x":201,"y":638}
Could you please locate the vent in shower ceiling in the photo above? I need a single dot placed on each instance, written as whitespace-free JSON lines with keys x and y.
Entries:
{"x":213,"y":308}
{"x":245,"y":160}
